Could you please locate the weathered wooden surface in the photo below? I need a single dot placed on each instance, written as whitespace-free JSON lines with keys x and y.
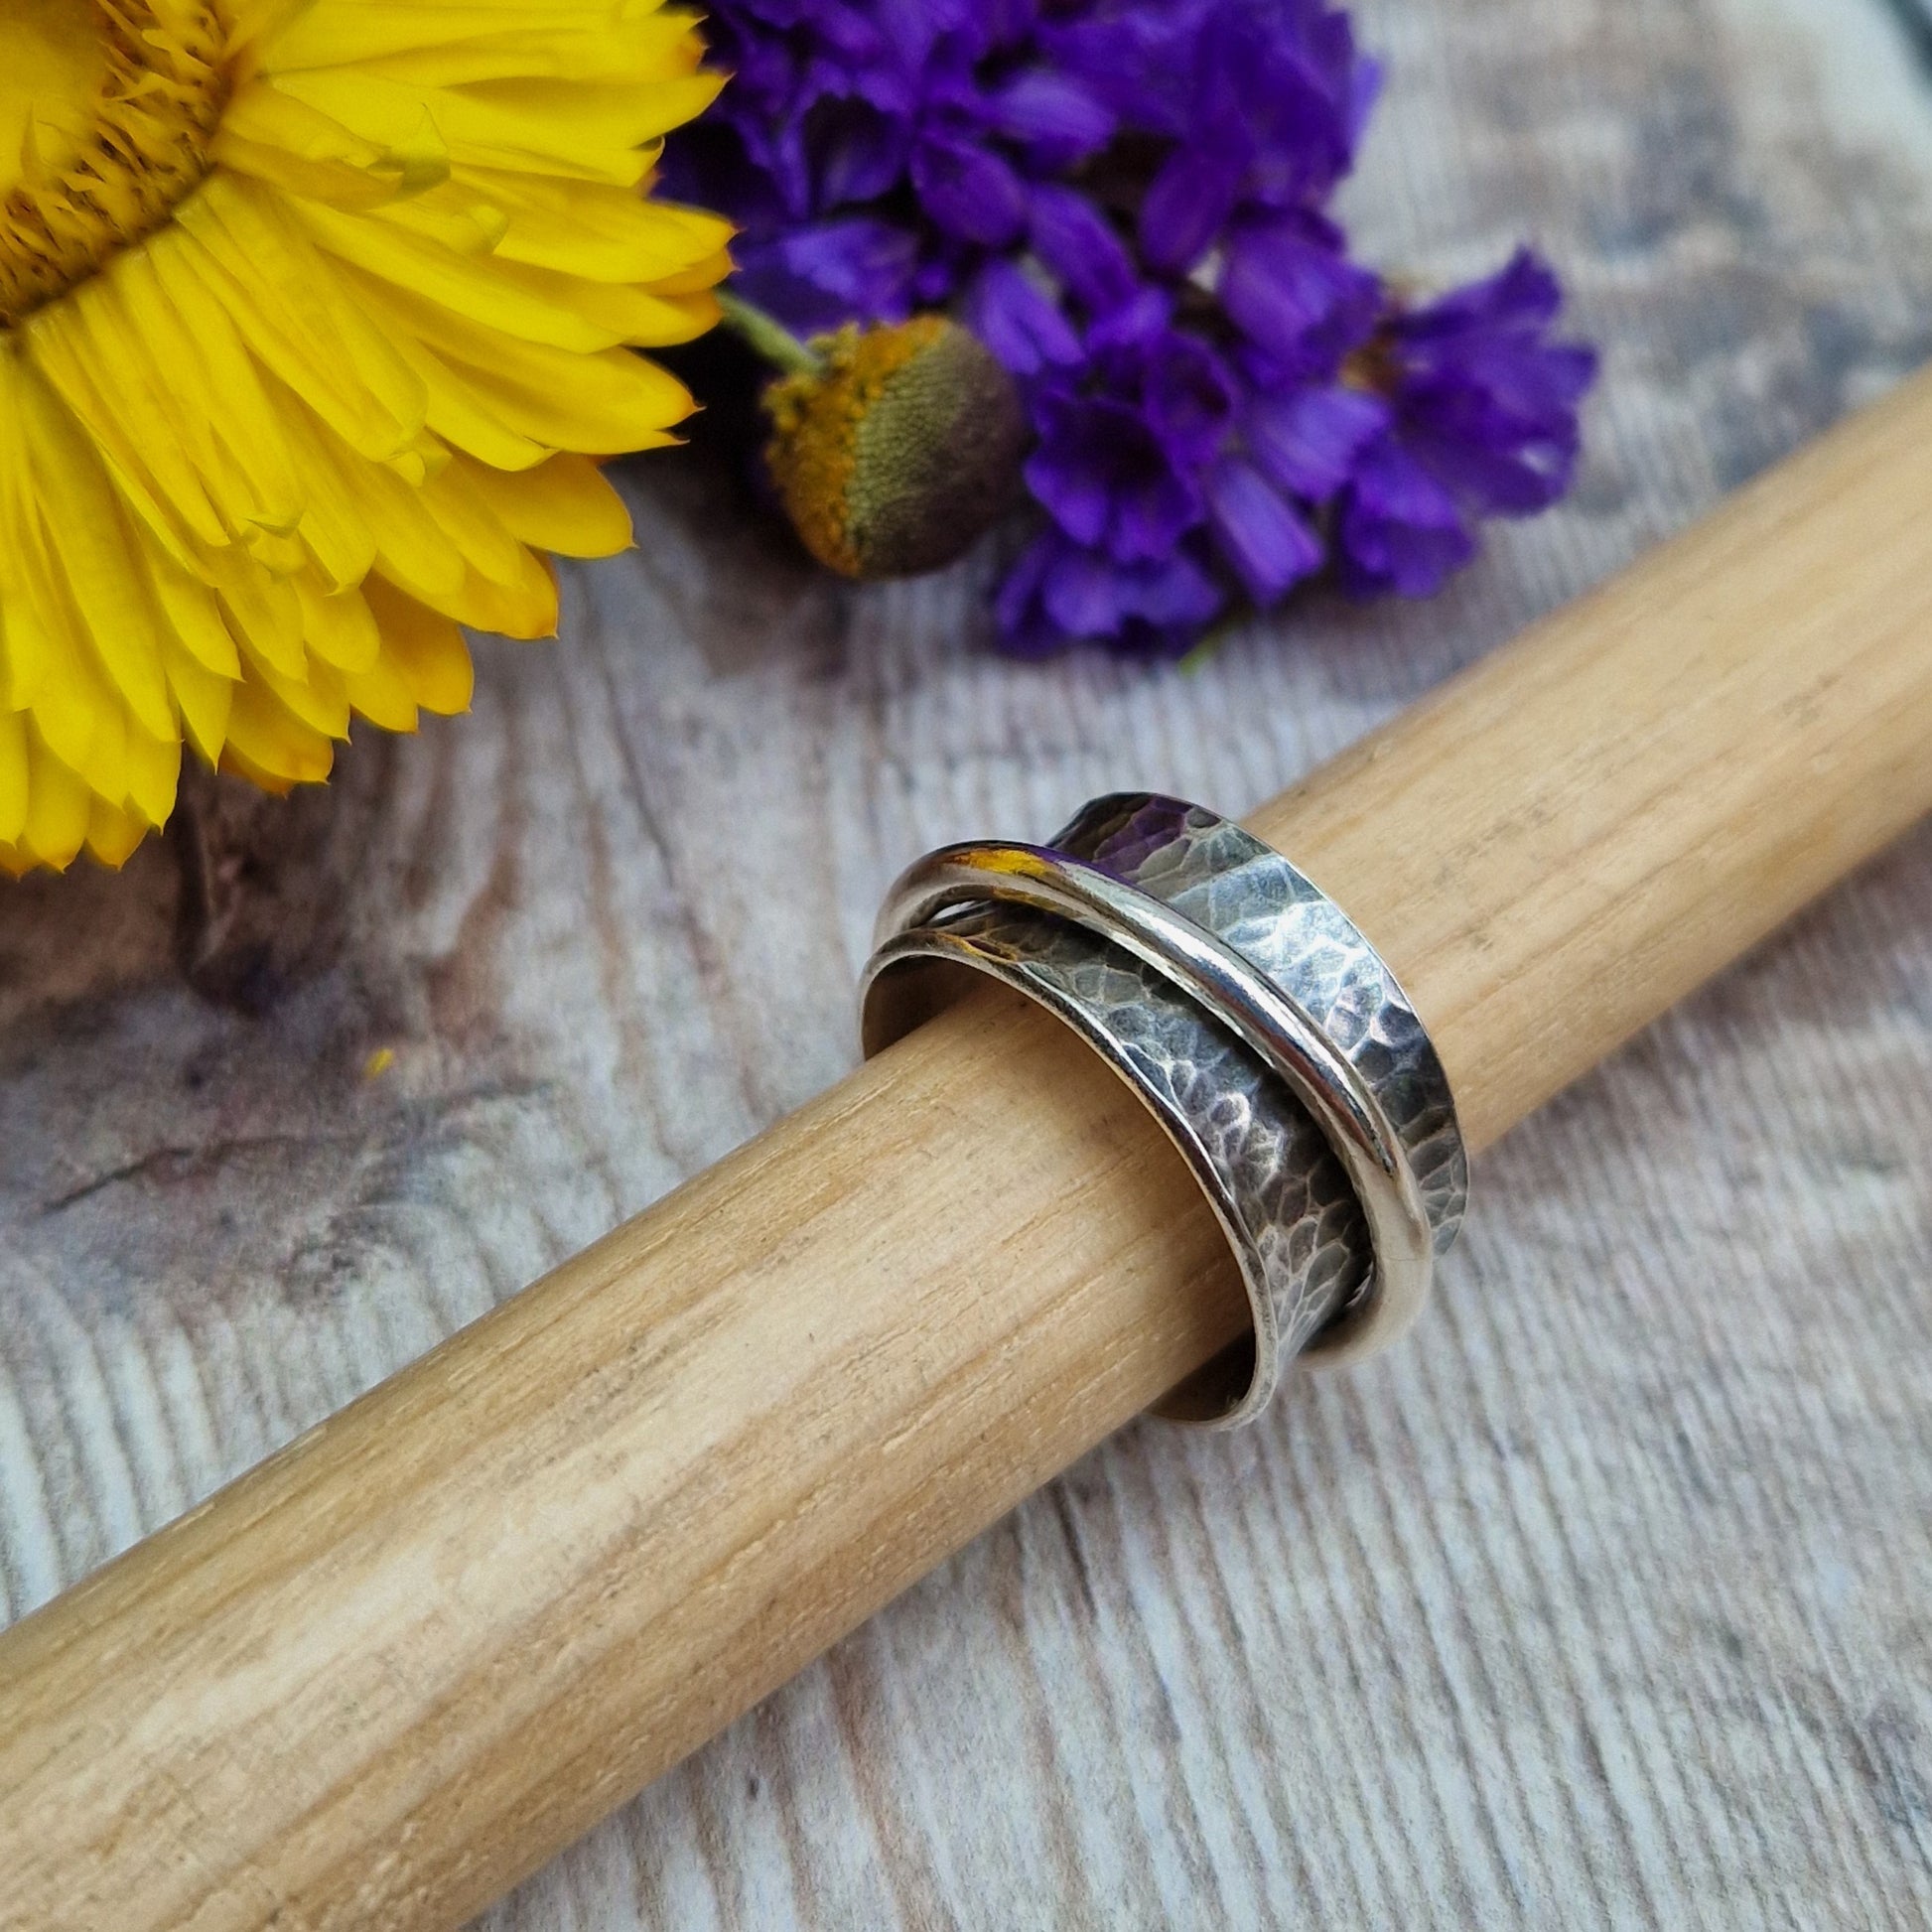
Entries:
{"x":1603,"y":1599}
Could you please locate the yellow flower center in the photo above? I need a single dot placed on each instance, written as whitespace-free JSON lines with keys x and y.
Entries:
{"x":107,"y":108}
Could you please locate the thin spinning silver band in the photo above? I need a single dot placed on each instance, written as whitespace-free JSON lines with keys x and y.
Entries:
{"x":1256,"y":1023}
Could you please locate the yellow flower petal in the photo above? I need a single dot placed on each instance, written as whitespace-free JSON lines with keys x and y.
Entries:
{"x":106,"y":397}
{"x":267,"y":743}
{"x":464,"y":420}
{"x":103,"y":588}
{"x":338,"y":627}
{"x":13,"y":776}
{"x":380,"y":695}
{"x":581,"y":132}
{"x":113,"y":834}
{"x":427,"y":650}
{"x":598,"y":405}
{"x":58,"y":805}
{"x":310,"y":322}
{"x":566,"y":507}
{"x":203,"y":698}
{"x":500,"y":299}
{"x":255,"y":264}
{"x":156,"y":321}
{"x":526,"y":608}
{"x":447,"y":46}
{"x":289,"y":145}
{"x":605,"y":234}
{"x":153,"y":765}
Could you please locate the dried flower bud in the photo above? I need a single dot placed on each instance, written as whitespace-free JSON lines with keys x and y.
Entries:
{"x":894,"y":455}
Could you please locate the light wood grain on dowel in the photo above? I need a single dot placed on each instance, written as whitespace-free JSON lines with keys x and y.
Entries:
{"x":380,"y":1678}
{"x":1561,"y":844}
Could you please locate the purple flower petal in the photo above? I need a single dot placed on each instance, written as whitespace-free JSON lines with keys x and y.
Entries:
{"x":1260,"y":535}
{"x":1500,"y":469}
{"x":1283,"y":80}
{"x":1151,"y":515}
{"x":1025,"y":627}
{"x":1060,"y":593}
{"x":1523,"y":296}
{"x":1483,"y":399}
{"x":968,"y":191}
{"x":1082,"y":594}
{"x":1009,"y":22}
{"x":1017,"y":321}
{"x":1101,"y":475}
{"x":1073,"y":489}
{"x":1295,"y":296}
{"x":1057,"y":119}
{"x":1123,"y":333}
{"x":1176,"y":595}
{"x":1186,"y":206}
{"x":1306,"y":441}
{"x":1399,"y":529}
{"x":852,"y":149}
{"x":1188,"y":393}
{"x":1078,"y":243}
{"x":820,"y":276}
{"x":1092,"y":597}
{"x":1364,"y":90}
{"x":1391,"y":484}
{"x":1140,"y":60}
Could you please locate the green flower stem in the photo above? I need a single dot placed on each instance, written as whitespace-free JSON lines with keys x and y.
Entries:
{"x":769,"y":336}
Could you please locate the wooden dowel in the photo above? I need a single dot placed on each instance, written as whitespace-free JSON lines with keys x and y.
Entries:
{"x":389,"y":1673}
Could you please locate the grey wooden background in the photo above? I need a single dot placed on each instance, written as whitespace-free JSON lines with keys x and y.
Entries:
{"x":1602,"y":1601}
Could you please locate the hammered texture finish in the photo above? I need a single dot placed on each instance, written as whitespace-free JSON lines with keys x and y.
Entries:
{"x":1246,"y":894}
{"x":1292,"y":1217}
{"x":1277,"y":1190}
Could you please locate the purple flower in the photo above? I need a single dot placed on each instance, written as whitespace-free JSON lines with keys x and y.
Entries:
{"x":1308,"y":439}
{"x":1399,"y":529}
{"x":1482,"y":422}
{"x":1019,"y":320}
{"x":1107,"y":479}
{"x":1275,"y":99}
{"x":929,"y":118}
{"x":1127,"y":200}
{"x":1061,"y":592}
{"x":1292,"y":291}
{"x":1263,"y":536}
{"x":1126,"y":439}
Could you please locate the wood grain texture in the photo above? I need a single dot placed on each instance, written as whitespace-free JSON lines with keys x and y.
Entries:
{"x":397,"y":1668}
{"x":1609,"y":1604}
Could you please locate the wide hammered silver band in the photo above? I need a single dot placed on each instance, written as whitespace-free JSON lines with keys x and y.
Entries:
{"x":1256,"y":1023}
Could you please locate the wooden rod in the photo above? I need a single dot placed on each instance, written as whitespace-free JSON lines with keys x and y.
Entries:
{"x":392,"y":1670}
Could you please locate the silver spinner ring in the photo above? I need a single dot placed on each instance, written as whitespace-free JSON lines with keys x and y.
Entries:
{"x":1257,"y":1025}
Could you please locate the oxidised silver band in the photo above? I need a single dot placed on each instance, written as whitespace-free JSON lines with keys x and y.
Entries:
{"x":1257,"y":1024}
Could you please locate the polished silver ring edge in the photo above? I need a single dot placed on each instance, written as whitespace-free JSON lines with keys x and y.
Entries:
{"x":1257,"y":1011}
{"x":929,"y":943}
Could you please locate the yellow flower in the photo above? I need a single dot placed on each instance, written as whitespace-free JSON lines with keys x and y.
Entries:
{"x":312,"y":317}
